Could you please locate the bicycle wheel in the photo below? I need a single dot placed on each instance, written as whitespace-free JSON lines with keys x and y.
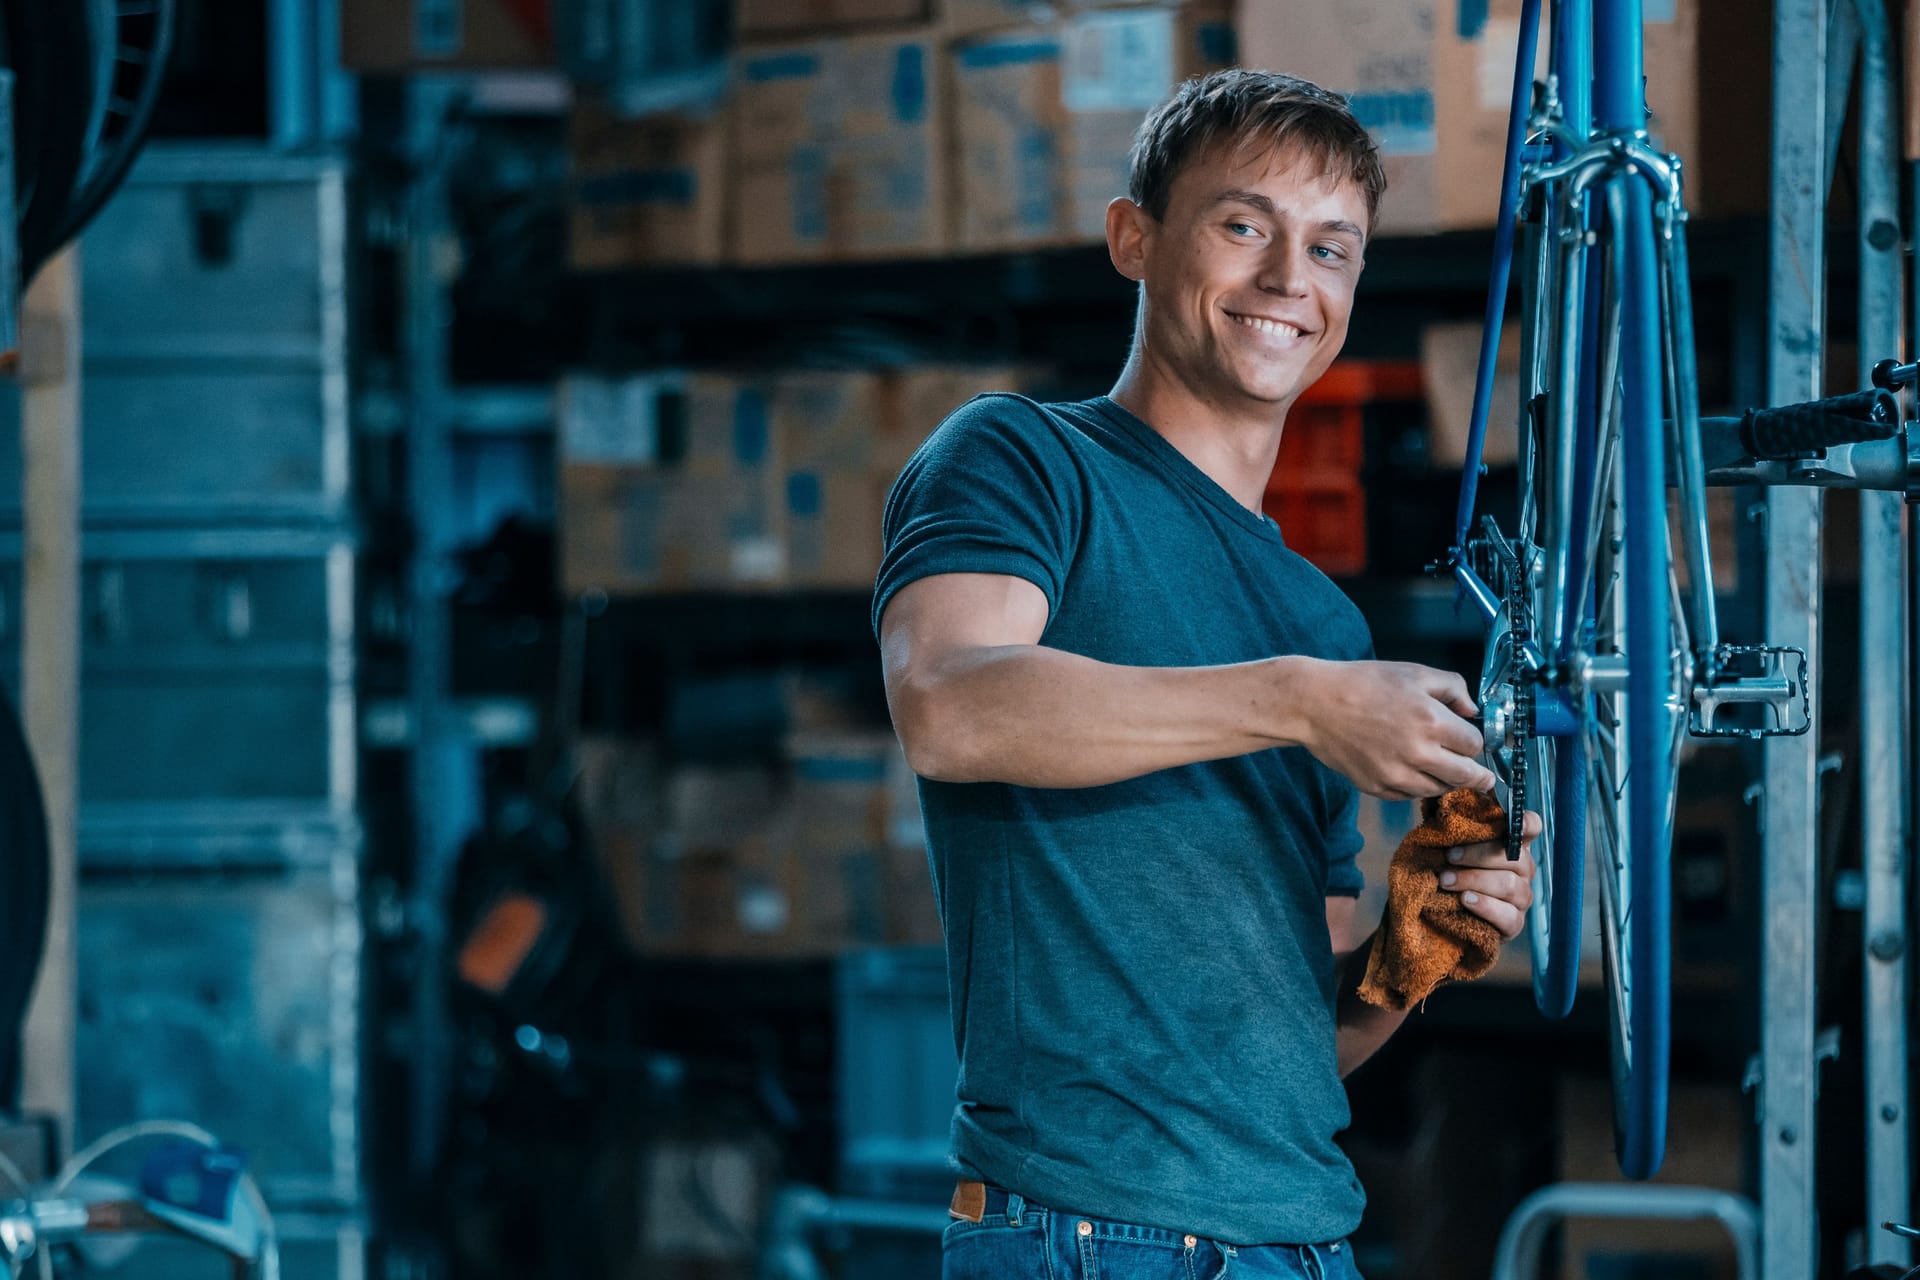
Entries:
{"x":1556,"y":766}
{"x":1636,"y":723}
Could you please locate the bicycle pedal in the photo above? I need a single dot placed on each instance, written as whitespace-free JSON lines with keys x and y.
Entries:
{"x":1754,"y":676}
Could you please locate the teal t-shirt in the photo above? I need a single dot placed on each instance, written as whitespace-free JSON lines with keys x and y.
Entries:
{"x":1141,"y":977}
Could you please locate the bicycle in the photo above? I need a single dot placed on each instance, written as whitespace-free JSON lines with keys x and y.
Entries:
{"x":1598,"y":661}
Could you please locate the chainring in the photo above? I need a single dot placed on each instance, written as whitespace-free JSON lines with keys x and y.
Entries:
{"x":1506,"y":686}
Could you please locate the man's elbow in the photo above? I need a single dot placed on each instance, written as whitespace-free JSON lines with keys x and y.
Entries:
{"x":938,"y":737}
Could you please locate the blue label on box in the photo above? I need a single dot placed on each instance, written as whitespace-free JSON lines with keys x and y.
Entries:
{"x":1471,"y":19}
{"x":1401,"y":121}
{"x":1009,"y":53}
{"x":909,"y":84}
{"x":750,"y":428}
{"x":803,"y":494}
{"x":781,"y":66}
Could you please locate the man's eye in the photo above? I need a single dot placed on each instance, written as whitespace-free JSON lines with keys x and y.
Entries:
{"x":1326,"y":251}
{"x":1241,"y":229}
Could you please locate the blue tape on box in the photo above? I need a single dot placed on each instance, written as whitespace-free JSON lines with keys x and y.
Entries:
{"x":640,"y":186}
{"x":1217,"y":42}
{"x":1008,"y":53}
{"x":750,"y":428}
{"x":803,"y":494}
{"x":780,"y":66}
{"x":910,"y":84}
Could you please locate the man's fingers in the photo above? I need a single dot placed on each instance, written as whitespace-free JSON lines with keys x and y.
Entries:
{"x":1503,"y":916}
{"x":1457,"y":770}
{"x":1504,"y":885}
{"x":1460,"y":737}
{"x":1447,"y":687}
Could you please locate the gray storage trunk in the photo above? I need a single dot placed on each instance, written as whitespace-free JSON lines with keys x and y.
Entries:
{"x":216,"y":695}
{"x":213,"y":323}
{"x":232,"y":1003}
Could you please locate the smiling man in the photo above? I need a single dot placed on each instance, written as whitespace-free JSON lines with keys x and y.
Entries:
{"x":1142,"y":725}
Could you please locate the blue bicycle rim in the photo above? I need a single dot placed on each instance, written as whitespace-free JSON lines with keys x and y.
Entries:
{"x":1555,"y":984}
{"x":1648,"y":729}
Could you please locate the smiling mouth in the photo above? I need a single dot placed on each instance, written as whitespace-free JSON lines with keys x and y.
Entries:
{"x":1273,"y":327}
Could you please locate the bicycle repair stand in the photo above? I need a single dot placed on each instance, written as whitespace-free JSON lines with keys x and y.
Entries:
{"x":1815,"y":46}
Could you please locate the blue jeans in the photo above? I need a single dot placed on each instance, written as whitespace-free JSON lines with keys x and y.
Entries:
{"x":1029,"y":1242}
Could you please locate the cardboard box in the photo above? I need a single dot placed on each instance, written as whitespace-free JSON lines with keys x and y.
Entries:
{"x":1435,"y":94}
{"x":837,"y":150}
{"x":757,"y":19}
{"x":682,"y":482}
{"x":758,"y":861}
{"x":646,"y":192}
{"x":384,"y":36}
{"x":843,"y":439}
{"x":1450,"y":365}
{"x":706,"y":516}
{"x":1045,"y":115}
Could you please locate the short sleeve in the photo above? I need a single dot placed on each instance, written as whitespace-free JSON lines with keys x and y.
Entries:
{"x":995,"y":490}
{"x":1344,"y":841}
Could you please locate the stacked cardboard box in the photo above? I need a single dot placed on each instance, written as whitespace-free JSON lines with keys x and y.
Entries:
{"x":809,"y":858}
{"x":837,"y":149}
{"x":1045,"y":115}
{"x":646,"y":192}
{"x":707,"y":481}
{"x":1433,"y":78}
{"x":638,"y":514}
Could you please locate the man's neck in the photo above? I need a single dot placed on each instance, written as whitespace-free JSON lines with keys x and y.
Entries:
{"x":1235,"y":448}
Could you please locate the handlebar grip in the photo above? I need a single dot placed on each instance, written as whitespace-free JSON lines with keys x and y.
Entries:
{"x":1792,"y":429}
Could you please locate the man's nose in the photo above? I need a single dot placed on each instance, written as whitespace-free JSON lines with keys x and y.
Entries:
{"x":1282,"y":272}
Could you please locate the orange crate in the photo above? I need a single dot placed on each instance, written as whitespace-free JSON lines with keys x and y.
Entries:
{"x":1325,"y":439}
{"x":1326,"y":523}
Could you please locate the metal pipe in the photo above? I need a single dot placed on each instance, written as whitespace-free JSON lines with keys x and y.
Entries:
{"x":1789,"y":887}
{"x":1524,"y":1236}
{"x":1884,"y":802}
{"x":1684,"y":391}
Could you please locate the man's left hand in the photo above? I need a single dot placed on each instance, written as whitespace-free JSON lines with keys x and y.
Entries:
{"x":1496,"y":890}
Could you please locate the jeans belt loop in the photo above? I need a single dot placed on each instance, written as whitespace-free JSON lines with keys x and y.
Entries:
{"x":1016,"y":1205}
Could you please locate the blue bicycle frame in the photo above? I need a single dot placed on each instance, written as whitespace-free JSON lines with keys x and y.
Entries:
{"x":1597,"y":50}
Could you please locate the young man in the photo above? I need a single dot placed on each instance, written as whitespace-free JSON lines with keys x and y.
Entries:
{"x":1142,"y":725}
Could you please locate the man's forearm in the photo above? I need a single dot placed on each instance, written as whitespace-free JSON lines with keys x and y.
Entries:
{"x":1041,"y":717}
{"x":1359,"y":1028}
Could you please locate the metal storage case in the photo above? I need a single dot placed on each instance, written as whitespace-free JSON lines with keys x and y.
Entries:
{"x":216,"y":695}
{"x":233,"y":1003}
{"x":213,"y":308}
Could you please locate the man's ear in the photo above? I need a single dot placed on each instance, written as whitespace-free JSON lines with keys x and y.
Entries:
{"x":1129,"y":237}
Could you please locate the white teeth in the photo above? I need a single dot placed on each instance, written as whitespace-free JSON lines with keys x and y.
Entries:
{"x":1268,"y":326}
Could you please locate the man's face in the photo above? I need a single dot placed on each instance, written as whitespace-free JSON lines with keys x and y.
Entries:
{"x":1250,"y":276}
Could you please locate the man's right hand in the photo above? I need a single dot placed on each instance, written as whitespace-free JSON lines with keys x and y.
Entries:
{"x":1396,"y":729}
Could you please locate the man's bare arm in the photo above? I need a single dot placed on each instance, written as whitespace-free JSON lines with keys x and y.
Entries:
{"x":976,"y":698}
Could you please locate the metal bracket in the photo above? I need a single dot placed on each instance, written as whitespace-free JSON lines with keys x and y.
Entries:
{"x":1771,"y":687}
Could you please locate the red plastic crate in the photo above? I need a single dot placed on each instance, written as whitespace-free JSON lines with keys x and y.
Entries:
{"x":1324,"y":443}
{"x":1326,"y":523}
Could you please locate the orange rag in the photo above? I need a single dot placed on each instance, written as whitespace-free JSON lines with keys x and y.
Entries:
{"x":1429,"y":936}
